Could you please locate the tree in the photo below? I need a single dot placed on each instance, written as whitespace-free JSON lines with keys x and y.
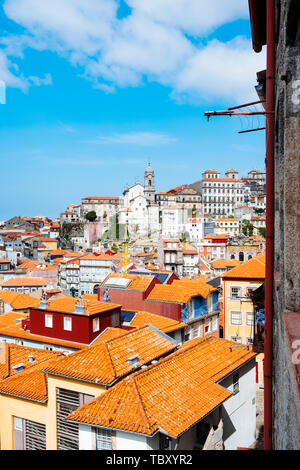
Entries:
{"x":247,"y":228}
{"x":91,"y":216}
{"x":114,"y":248}
{"x":259,"y":210}
{"x":262,"y":231}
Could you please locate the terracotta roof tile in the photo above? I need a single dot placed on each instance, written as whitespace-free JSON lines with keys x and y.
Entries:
{"x":172,"y":293}
{"x":25,"y":281}
{"x":30,"y":383}
{"x":67,"y":304}
{"x":108,"y":334}
{"x":252,"y":269}
{"x":171,"y":395}
{"x":138,"y":282}
{"x":160,"y":322}
{"x":106,"y":362}
{"x":197,"y":284}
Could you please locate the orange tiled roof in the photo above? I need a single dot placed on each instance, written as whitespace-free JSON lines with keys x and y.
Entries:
{"x":172,"y":293}
{"x":9,"y":327}
{"x":138,"y":281}
{"x":197,"y":284}
{"x":189,"y":249}
{"x":10,"y":318}
{"x":30,"y":383}
{"x":160,"y":322}
{"x":254,"y":268}
{"x":171,"y":395}
{"x":223,"y":264}
{"x":106,"y":362}
{"x":108,"y":334}
{"x":28,"y":263}
{"x":26,"y":281}
{"x":210,"y":236}
{"x":18,"y":301}
{"x":67,"y":304}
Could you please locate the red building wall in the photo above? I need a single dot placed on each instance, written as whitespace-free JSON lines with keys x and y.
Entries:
{"x":82,"y":325}
{"x":135,"y":300}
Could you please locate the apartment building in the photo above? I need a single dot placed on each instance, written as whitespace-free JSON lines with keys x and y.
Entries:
{"x":38,"y":389}
{"x":169,"y":405}
{"x":238,"y":308}
{"x":229,"y":226}
{"x":220,"y":196}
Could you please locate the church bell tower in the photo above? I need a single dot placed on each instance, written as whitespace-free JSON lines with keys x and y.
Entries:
{"x":149,"y":184}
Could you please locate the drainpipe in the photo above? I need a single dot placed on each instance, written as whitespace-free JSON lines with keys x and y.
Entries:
{"x":270,"y":121}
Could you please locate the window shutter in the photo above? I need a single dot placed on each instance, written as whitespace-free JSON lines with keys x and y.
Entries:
{"x":67,"y":431}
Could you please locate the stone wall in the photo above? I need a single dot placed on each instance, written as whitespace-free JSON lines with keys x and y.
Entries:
{"x":286,"y":404}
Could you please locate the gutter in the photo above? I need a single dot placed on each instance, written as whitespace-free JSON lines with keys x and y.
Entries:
{"x":270,"y":124}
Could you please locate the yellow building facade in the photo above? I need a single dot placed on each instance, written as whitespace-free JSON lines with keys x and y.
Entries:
{"x":239,"y":313}
{"x":46,"y":414}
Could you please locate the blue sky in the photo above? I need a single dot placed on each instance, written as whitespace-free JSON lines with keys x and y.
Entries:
{"x":94,"y":92}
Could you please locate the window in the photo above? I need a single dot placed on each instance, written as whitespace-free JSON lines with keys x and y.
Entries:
{"x":103,"y":439}
{"x":235,"y":384}
{"x":187,"y":333}
{"x":250,"y":318}
{"x":236,"y":339}
{"x":48,"y":320}
{"x":214,"y":323}
{"x":249,"y":291}
{"x":96,"y":324}
{"x":235,"y":292}
{"x":236,"y":318}
{"x":29,"y":435}
{"x":68,"y":323}
{"x":196,"y":330}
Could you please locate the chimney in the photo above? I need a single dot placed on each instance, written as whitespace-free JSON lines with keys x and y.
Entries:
{"x":79,"y":306}
{"x":31,"y":358}
{"x":133,"y":361}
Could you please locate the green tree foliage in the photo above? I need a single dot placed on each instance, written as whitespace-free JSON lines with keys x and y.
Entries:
{"x":259,"y":210}
{"x":262,"y":231}
{"x":91,"y":216}
{"x":247,"y":228}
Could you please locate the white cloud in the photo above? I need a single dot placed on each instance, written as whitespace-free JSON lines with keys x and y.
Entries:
{"x":7,"y":76}
{"x":195,"y":17}
{"x":144,"y":139}
{"x":223,"y":70}
{"x":150,"y":43}
{"x":37,"y":81}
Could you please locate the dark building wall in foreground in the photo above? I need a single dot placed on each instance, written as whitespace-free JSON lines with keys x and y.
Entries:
{"x":286,"y":371}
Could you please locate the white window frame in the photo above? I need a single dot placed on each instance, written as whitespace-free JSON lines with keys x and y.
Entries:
{"x":235,"y":322}
{"x":66,"y":326}
{"x":96,"y":324}
{"x":103,"y":439}
{"x":48,"y":320}
{"x":238,"y":296}
{"x":252,"y":322}
{"x":235,"y":338}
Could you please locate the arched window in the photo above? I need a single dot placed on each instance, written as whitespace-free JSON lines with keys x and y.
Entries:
{"x":241,"y":256}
